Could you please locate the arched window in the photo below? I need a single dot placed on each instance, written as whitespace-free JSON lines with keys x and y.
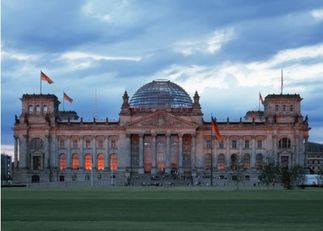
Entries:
{"x":221,"y":162}
{"x":259,"y":160}
{"x":36,"y":143}
{"x":113,"y":162}
{"x":75,"y":162}
{"x":246,"y":161}
{"x":234,"y":162}
{"x":100,"y":162}
{"x":37,"y":108}
{"x":88,"y":162}
{"x":284,"y":143}
{"x":30,"y":108}
{"x":45,"y":108}
{"x":62,"y":162}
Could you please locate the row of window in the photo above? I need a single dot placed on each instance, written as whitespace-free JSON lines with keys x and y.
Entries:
{"x":283,"y":143}
{"x":88,"y":143}
{"x":37,"y":108}
{"x":113,"y":162}
{"x":244,"y":163}
{"x":284,"y":108}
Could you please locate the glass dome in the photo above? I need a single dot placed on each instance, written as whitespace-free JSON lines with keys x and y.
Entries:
{"x":161,"y":93}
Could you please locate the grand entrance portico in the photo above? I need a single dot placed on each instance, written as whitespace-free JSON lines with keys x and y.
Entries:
{"x":162,"y":143}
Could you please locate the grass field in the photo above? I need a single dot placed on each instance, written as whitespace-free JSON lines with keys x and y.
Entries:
{"x":160,"y":209}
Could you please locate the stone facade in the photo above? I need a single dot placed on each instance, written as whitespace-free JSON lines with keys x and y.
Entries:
{"x":163,"y":141}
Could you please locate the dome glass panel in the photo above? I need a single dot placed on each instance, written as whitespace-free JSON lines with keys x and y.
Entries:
{"x":161,"y":93}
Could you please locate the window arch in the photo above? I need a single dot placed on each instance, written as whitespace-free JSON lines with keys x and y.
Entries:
{"x":37,"y":108}
{"x":246,"y":161}
{"x":234,"y":162}
{"x":259,"y":159}
{"x":36,"y":143}
{"x":62,"y":162}
{"x":75,"y":162}
{"x":113,"y":162}
{"x":88,"y":162}
{"x":30,"y":108}
{"x":100,"y":162}
{"x":221,"y":162}
{"x":284,"y":143}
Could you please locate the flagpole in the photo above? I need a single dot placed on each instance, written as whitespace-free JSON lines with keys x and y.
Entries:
{"x":282,"y":82}
{"x":211,"y":155}
{"x":63,"y":103}
{"x":40,"y":84}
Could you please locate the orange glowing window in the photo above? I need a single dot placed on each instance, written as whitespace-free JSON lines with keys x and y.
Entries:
{"x":100,"y":162}
{"x":62,"y":162}
{"x":113,"y":162}
{"x":75,"y":162}
{"x":88,"y":162}
{"x":221,"y":162}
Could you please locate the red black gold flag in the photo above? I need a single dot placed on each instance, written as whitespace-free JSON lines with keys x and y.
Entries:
{"x":67,"y":98}
{"x":216,"y":131}
{"x":44,"y":77}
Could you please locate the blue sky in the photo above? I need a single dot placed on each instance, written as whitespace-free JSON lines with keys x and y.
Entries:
{"x":227,"y":50}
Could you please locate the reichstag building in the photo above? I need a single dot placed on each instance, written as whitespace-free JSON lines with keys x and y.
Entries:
{"x":160,"y":136}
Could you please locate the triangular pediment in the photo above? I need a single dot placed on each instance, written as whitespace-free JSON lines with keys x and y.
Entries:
{"x":161,"y":119}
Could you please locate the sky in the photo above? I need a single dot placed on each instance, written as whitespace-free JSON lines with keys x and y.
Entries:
{"x":227,"y":50}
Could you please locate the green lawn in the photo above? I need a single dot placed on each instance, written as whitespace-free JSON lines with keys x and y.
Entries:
{"x":160,"y":209}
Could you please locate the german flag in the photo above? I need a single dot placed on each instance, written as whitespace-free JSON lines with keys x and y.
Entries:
{"x":67,"y":98}
{"x":44,"y":77}
{"x":215,"y":129}
{"x":261,"y":98}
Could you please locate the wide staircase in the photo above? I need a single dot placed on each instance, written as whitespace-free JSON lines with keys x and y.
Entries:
{"x":160,"y":179}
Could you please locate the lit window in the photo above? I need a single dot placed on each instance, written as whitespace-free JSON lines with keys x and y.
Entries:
{"x":221,"y":162}
{"x":259,"y":144}
{"x":62,"y":162}
{"x":88,"y":162}
{"x":100,"y":144}
{"x":45,"y":109}
{"x":75,"y":162}
{"x":234,"y":144}
{"x":37,"y":108}
{"x":246,"y":144}
{"x":30,"y":108}
{"x":88,"y":144}
{"x":74,"y":143}
{"x":100,"y":162}
{"x":113,"y":162}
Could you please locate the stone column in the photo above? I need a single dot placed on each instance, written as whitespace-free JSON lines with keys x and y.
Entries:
{"x":81,"y":156}
{"x":94,"y":153}
{"x":193,"y":152}
{"x":68,"y":153}
{"x":253,"y":152}
{"x":107,"y":153}
{"x":16,"y":152}
{"x":23,"y":152}
{"x":180,"y":152}
{"x":168,"y":157}
{"x":227,"y":155}
{"x":53,"y":152}
{"x":47,"y":152}
{"x":141,"y":154}
{"x":153,"y":154}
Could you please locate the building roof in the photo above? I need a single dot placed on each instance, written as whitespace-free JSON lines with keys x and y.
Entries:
{"x":161,"y":94}
{"x":314,"y":147}
{"x":284,"y":96}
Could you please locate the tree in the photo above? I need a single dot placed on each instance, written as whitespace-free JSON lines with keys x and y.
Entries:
{"x":291,"y":177}
{"x":270,"y":172}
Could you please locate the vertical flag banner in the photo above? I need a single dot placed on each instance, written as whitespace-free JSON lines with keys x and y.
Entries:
{"x":216,"y":131}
